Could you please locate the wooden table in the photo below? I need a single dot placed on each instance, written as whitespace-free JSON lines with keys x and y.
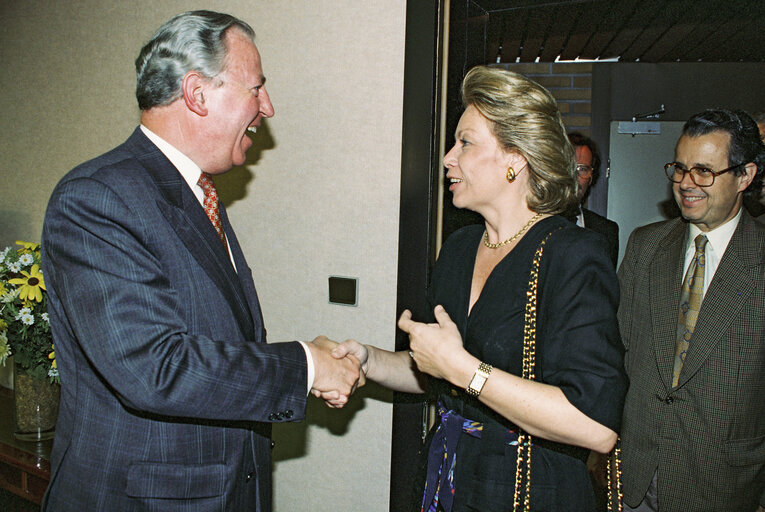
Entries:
{"x":24,"y":465}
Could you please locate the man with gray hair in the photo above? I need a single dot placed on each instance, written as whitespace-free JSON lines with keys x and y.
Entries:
{"x":169,"y":388}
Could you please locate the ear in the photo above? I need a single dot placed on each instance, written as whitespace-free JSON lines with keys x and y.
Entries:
{"x":746,"y":179}
{"x":515,"y":160}
{"x":193,"y":88}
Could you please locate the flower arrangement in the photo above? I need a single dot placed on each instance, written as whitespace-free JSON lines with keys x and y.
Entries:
{"x":24,"y":327}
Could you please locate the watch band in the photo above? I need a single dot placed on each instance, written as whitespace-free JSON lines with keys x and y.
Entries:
{"x":480,"y":377}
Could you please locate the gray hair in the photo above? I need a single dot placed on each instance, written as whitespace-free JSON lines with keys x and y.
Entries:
{"x":193,"y":40}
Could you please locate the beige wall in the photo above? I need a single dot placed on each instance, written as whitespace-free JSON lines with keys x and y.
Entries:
{"x":320,"y":198}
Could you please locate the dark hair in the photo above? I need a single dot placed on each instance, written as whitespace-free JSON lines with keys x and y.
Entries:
{"x":745,"y":143}
{"x":193,"y":40}
{"x":579,"y":139}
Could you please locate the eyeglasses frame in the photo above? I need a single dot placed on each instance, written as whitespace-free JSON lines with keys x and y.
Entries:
{"x":588,"y":174}
{"x":715,"y":174}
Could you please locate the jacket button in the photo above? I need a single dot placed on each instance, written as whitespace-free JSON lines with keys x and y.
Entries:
{"x":279,"y":415}
{"x":273,"y":443}
{"x":249,"y":476}
{"x":289,"y":414}
{"x":669,"y":400}
{"x":272,"y":417}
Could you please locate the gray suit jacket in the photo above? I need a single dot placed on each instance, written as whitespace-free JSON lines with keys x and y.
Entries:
{"x":707,"y":436}
{"x":168,"y":385}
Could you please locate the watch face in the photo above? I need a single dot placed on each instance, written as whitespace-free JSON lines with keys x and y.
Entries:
{"x":477,"y":382}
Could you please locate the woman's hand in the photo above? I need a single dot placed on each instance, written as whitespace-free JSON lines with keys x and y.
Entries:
{"x":394,"y":370}
{"x":437,"y":349}
{"x":330,"y":368}
{"x":356,"y":349}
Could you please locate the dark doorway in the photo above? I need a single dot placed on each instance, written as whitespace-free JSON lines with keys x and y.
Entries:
{"x":417,"y":222}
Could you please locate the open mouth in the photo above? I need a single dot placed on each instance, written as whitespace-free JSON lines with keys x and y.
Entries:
{"x":252,"y":129}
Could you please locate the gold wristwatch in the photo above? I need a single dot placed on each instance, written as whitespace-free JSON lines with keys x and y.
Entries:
{"x":479,"y":379}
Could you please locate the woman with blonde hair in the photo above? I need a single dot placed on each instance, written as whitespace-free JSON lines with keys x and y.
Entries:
{"x":523,"y":351}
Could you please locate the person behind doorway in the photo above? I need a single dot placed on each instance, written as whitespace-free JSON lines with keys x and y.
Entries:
{"x":587,"y":173}
{"x":692,"y":320}
{"x":513,"y":164}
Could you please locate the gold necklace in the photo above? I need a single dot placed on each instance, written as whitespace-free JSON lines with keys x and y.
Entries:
{"x":519,"y":233}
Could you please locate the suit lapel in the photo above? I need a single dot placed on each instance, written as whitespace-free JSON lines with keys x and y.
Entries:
{"x":731,"y":286}
{"x":186,"y":216}
{"x":666,"y":278}
{"x":244,"y":275}
{"x":589,"y":220}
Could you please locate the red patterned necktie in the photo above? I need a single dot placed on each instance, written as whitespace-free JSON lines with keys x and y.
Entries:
{"x":211,"y":205}
{"x":690,"y":304}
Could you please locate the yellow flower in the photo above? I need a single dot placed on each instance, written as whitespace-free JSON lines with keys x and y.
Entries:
{"x":29,"y":246}
{"x":3,"y":325}
{"x":31,"y":285}
{"x":5,"y":349}
{"x":2,"y":289}
{"x":52,"y":355}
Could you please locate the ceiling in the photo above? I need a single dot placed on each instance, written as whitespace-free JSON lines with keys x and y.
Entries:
{"x":623,"y":30}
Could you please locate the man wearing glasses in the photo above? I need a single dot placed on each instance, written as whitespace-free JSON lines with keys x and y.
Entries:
{"x":692,"y":319}
{"x":587,"y":171}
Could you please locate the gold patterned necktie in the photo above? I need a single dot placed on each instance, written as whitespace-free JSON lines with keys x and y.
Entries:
{"x":210,"y":204}
{"x":690,"y":304}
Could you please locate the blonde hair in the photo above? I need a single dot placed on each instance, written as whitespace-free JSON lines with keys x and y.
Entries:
{"x":524,"y":117}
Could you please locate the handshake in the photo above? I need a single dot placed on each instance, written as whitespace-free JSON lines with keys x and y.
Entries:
{"x":339,"y":369}
{"x":434,"y":348}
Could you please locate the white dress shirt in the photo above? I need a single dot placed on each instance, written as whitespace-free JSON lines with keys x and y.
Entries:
{"x":188,"y":169}
{"x":580,"y":218}
{"x":719,"y":238}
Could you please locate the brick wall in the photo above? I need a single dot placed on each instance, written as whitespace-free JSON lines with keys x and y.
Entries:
{"x":570,"y":83}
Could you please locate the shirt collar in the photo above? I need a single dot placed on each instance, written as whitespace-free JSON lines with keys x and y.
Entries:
{"x":719,"y":237}
{"x":185,"y":165}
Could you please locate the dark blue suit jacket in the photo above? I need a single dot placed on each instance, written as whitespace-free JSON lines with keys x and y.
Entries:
{"x":168,"y":386}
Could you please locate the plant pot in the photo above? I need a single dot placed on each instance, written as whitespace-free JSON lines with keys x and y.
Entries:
{"x":35,"y":406}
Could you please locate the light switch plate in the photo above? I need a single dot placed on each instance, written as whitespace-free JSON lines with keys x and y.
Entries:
{"x":343,"y":290}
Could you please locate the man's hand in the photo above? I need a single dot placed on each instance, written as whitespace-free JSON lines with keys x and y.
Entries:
{"x":335,"y":379}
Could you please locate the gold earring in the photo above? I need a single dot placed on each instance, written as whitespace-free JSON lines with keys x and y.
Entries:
{"x":510,"y":175}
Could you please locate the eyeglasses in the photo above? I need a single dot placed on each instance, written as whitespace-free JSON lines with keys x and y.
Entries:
{"x":585,"y":171}
{"x":701,"y":176}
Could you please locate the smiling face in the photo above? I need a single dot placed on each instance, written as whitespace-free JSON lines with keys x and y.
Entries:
{"x":708,"y":207}
{"x":238,"y":102}
{"x":476,"y":164}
